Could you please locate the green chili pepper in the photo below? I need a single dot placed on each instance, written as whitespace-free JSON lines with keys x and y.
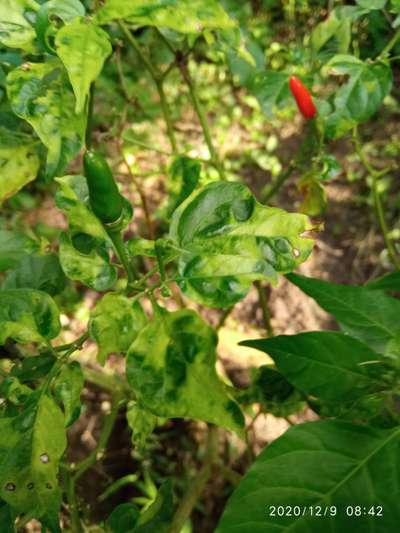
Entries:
{"x":105,"y":198}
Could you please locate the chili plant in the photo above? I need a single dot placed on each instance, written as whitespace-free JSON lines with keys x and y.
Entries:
{"x":211,"y":242}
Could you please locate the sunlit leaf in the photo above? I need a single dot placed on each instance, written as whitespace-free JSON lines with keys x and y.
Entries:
{"x":27,"y":315}
{"x":186,"y":16}
{"x":227,"y":240}
{"x":83,"y":48}
{"x":18,"y":166}
{"x":115,"y":323}
{"x":40,"y":94}
{"x":171,"y":368}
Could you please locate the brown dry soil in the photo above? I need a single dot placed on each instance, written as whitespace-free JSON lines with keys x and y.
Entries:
{"x":346,"y":251}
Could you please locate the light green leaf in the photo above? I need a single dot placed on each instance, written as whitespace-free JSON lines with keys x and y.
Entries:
{"x":28,"y":316}
{"x":18,"y":166}
{"x":227,"y":240}
{"x":67,"y":389}
{"x":40,"y":94}
{"x":370,"y":316}
{"x":361,"y":96}
{"x":90,"y":265}
{"x":142,"y":424}
{"x":372,"y":4}
{"x":31,"y":446}
{"x":13,"y":246}
{"x":326,"y":364}
{"x":40,"y":272}
{"x":332,"y":35}
{"x":15,"y":30}
{"x":115,"y":323}
{"x":185,"y":16}
{"x":83,"y":48}
{"x":171,"y":368}
{"x":319,"y":464}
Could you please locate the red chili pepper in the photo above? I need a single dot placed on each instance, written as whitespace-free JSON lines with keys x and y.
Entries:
{"x":303,"y":98}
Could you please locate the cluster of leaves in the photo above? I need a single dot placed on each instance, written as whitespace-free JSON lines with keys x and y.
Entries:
{"x":220,"y":240}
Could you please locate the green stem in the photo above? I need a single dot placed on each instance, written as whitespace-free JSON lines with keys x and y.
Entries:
{"x":89,"y":125}
{"x":108,"y":382}
{"x":270,"y":192}
{"x":73,"y":506}
{"x":202,"y":119}
{"x":198,"y":485}
{"x":130,"y":479}
{"x":265,"y":309}
{"x":158,"y":80}
{"x":105,"y":434}
{"x":119,"y":246}
{"x":76,"y":344}
{"x":375,"y":175}
{"x":391,"y":44}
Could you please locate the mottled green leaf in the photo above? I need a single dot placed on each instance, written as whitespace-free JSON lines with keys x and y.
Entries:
{"x":115,"y":323}
{"x":371,"y":316}
{"x":67,"y":389}
{"x":326,"y":364}
{"x":41,"y":272}
{"x":227,"y":240}
{"x":361,"y":96}
{"x":142,"y":424}
{"x":28,"y":316}
{"x":91,"y":266}
{"x":319,"y":464}
{"x":18,"y":166}
{"x":185,"y":16}
{"x":84,"y":252}
{"x":13,"y":246}
{"x":40,"y":94}
{"x":31,"y":446}
{"x":15,"y":29}
{"x":83,"y":48}
{"x":183,"y":178}
{"x":171,"y":368}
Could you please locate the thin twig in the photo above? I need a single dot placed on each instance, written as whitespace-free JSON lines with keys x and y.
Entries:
{"x":375,"y":175}
{"x":198,"y":485}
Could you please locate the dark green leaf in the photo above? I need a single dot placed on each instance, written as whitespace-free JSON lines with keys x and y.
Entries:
{"x":361,"y":96}
{"x":319,"y":464}
{"x":271,"y":88}
{"x":326,"y":364}
{"x":123,"y":518}
{"x":33,"y":368}
{"x":41,"y":272}
{"x":28,"y":316}
{"x":227,"y":240}
{"x":387,"y":282}
{"x":368,"y":315}
{"x":158,"y":517}
{"x":171,"y":368}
